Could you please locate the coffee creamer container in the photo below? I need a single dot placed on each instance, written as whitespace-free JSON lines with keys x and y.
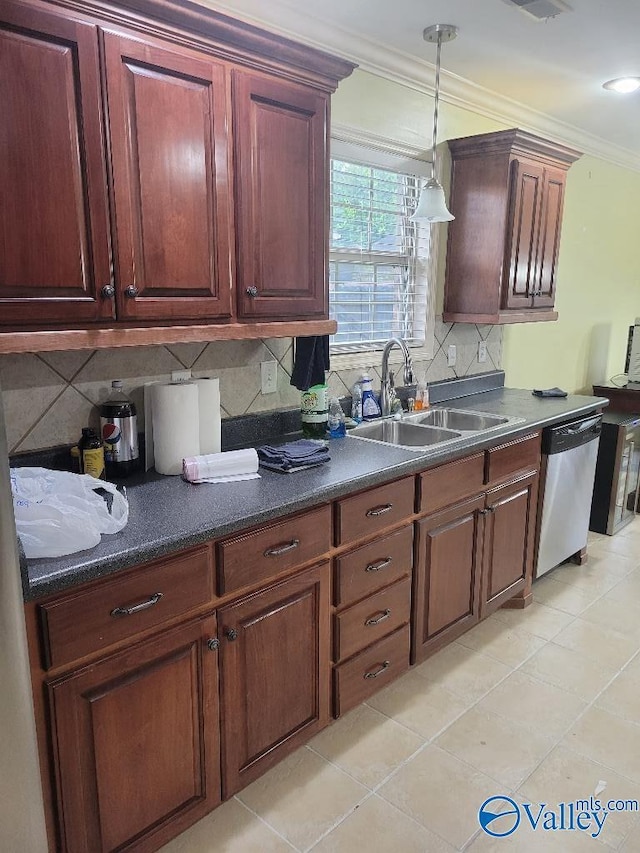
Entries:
{"x":119,"y":427}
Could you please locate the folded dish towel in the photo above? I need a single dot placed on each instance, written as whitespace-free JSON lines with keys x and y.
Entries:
{"x":294,"y":456}
{"x":226,"y":467}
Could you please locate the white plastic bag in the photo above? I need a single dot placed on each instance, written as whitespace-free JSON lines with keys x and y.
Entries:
{"x":59,"y":513}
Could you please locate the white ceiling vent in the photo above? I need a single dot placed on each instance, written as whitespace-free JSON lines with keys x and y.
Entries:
{"x":540,"y":10}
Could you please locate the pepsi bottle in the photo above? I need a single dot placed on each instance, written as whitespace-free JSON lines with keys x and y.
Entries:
{"x":119,"y":428}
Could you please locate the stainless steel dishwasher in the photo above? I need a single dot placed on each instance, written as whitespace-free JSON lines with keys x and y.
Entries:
{"x":570,"y":452}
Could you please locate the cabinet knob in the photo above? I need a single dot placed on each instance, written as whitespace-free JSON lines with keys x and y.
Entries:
{"x":213,"y":644}
{"x":231,"y":634}
{"x":252,"y":291}
{"x":131,"y":292}
{"x":108,"y":291}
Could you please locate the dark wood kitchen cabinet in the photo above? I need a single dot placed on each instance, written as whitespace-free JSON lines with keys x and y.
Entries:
{"x":275,"y":674}
{"x":159,"y":176}
{"x":167,"y":129}
{"x":54,"y":237}
{"x":510,"y":517}
{"x":474,"y":546}
{"x":136,"y":743}
{"x":507,"y":197}
{"x":282,"y":197}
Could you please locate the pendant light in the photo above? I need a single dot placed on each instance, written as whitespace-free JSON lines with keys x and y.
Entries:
{"x":432,"y":206}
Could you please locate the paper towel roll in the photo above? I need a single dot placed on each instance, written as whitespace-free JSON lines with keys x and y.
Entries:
{"x":176,"y":424}
{"x":209,"y":404}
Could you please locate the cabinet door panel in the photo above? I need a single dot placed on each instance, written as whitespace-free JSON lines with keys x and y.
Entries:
{"x":448,"y":575}
{"x":549,"y":246}
{"x":137,"y":745}
{"x":275,"y":674}
{"x":280,"y":163}
{"x":54,"y":242}
{"x":520,"y":260}
{"x":167,"y":123}
{"x":508,"y":541}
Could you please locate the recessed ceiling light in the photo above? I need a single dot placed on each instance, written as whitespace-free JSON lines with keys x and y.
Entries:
{"x":623,"y":84}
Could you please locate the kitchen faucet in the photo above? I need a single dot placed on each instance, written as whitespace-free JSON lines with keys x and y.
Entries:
{"x":387,"y":392}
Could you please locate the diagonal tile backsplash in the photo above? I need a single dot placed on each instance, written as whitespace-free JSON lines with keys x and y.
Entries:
{"x":49,"y":397}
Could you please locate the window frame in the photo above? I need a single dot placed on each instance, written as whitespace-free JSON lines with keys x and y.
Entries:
{"x":387,"y":154}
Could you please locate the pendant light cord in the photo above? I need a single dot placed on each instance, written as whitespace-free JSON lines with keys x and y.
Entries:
{"x":435,"y":109}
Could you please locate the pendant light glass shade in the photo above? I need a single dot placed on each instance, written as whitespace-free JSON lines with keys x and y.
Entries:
{"x":432,"y":206}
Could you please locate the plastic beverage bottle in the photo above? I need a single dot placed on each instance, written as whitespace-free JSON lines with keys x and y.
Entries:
{"x":314,"y":411}
{"x":337,"y":426}
{"x":119,"y":427}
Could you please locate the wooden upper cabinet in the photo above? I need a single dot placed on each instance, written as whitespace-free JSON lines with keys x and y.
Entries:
{"x":167,"y":129}
{"x":507,"y":195}
{"x":54,"y":238}
{"x":281,"y":198}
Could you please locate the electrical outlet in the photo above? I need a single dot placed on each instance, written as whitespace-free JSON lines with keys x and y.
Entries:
{"x":269,"y":377}
{"x":482,"y":351}
{"x":180,"y":375}
{"x":451,"y":355}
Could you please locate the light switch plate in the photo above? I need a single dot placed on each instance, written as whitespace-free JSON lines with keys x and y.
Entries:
{"x":451,"y":355}
{"x":482,"y":351}
{"x":268,"y":377}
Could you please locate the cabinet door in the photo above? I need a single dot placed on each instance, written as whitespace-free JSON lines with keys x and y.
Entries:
{"x":54,"y":241}
{"x":282,"y":197}
{"x":275,"y":674}
{"x":136,"y":742}
{"x":522,"y":241}
{"x":508,"y":541}
{"x":549,"y":241}
{"x":167,"y":127}
{"x":448,"y":561}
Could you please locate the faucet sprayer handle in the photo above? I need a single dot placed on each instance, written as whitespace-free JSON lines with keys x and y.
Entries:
{"x":408,"y":374}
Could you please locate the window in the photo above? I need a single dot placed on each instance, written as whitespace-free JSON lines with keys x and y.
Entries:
{"x":380,"y":261}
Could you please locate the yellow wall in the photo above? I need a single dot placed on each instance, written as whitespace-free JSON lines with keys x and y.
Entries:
{"x":599,"y":266}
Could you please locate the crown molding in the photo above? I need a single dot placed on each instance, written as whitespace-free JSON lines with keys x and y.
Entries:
{"x":379,"y":59}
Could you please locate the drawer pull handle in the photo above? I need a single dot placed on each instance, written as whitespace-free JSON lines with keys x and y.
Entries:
{"x":377,"y":620}
{"x":136,"y":608}
{"x":378,"y":672}
{"x":282,"y":549}
{"x":376,"y":567}
{"x":378,"y":510}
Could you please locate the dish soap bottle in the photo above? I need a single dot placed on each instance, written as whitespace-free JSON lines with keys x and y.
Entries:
{"x":356,"y":402}
{"x":370,"y":406}
{"x":337,"y":426}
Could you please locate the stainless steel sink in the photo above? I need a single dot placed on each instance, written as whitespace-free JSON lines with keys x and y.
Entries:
{"x":403,"y":433}
{"x":458,"y":419}
{"x":440,"y":425}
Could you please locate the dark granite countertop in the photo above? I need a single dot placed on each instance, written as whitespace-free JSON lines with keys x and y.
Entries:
{"x":168,"y":514}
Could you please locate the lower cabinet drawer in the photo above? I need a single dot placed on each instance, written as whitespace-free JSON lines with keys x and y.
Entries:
{"x":507,"y":459}
{"x":367,"y":513}
{"x":89,"y":621}
{"x":259,"y":556}
{"x":370,"y":567}
{"x":371,"y":670}
{"x":375,"y":617}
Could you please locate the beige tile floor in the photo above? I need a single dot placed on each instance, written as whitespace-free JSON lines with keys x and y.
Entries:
{"x":542,"y":705}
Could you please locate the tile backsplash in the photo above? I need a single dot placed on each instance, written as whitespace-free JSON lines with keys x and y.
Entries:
{"x":49,"y":397}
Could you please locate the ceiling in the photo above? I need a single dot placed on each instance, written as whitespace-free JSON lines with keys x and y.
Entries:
{"x":553,"y":70}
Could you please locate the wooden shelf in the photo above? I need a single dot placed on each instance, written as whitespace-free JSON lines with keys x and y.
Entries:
{"x":75,"y":339}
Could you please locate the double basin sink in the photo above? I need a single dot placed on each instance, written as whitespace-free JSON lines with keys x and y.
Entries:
{"x":436,"y":426}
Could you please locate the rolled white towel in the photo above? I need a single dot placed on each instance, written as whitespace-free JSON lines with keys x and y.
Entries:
{"x":225,"y":467}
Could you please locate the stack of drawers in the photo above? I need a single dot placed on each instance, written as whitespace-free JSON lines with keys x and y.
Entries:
{"x":372,"y":591}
